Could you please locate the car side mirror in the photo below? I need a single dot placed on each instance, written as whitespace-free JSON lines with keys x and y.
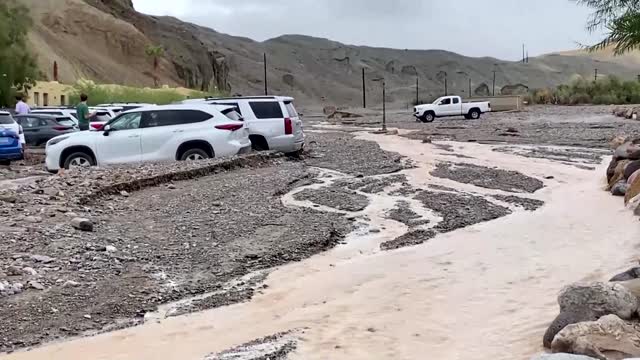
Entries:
{"x":106,"y":130}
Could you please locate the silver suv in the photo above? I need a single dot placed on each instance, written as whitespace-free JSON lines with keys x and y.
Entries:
{"x":273,"y":121}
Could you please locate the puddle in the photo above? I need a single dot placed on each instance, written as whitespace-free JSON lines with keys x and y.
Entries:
{"x":483,"y":292}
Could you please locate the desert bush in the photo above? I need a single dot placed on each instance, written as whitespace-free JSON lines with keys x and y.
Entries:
{"x":604,"y":91}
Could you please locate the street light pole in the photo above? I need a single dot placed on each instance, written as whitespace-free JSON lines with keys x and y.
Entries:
{"x":494,"y":83}
{"x":469,"y":87}
{"x":364,"y":92}
{"x":417,"y":91}
{"x":384,"y":106}
{"x":446,"y":90}
{"x":266,"y":88}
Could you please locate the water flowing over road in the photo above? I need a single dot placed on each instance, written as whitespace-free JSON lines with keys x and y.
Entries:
{"x":482,"y":292}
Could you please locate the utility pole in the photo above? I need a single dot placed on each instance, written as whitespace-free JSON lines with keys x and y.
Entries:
{"x":266,"y":88}
{"x":364,"y":91}
{"x":527,"y":57}
{"x":523,"y":56}
{"x":596,"y":75}
{"x":446,"y":90}
{"x":384,"y":106}
{"x":494,"y":83}
{"x":470,"y":87}
{"x":417,"y":90}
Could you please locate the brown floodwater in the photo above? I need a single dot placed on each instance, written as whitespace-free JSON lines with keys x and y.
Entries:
{"x":484,"y":292}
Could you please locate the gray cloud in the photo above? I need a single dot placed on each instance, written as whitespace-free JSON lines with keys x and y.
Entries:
{"x":470,"y":27}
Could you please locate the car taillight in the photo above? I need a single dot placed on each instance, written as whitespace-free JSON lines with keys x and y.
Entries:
{"x":61,"y":128}
{"x":97,"y":126}
{"x":288,"y":126}
{"x":230,"y":127}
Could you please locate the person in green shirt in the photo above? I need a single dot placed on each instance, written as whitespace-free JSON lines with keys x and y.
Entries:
{"x":84,"y":116}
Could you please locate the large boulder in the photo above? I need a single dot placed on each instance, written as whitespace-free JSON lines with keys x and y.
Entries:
{"x":618,"y":173}
{"x":612,"y":168}
{"x":633,"y":177}
{"x":610,"y":334}
{"x":633,"y":190}
{"x":631,"y":168}
{"x":620,"y":188}
{"x":580,"y":303}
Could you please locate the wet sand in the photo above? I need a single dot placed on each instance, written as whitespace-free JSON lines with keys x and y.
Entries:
{"x":482,"y":292}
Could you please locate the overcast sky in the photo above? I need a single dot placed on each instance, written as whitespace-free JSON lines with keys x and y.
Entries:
{"x":471,"y":27}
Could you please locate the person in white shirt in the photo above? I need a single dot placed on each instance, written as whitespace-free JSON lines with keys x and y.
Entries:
{"x":21,"y":107}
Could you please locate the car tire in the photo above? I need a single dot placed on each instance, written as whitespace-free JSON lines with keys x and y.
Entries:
{"x":79,"y":159}
{"x":194,"y":155}
{"x":5,"y":162}
{"x":474,"y":114}
{"x":428,"y":117}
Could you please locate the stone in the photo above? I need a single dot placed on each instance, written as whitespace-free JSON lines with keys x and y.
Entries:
{"x":620,"y":188}
{"x":29,"y":271}
{"x":8,"y":199}
{"x":82,"y":224}
{"x":631,"y":168}
{"x":594,"y":338}
{"x":36,"y":285}
{"x":87,"y":316}
{"x":561,"y":357}
{"x":110,"y":248}
{"x":217,"y":204}
{"x":33,"y":219}
{"x":633,"y":190}
{"x":124,"y":193}
{"x":630,"y":274}
{"x":618,"y":173}
{"x":171,"y":187}
{"x":580,"y":303}
{"x":633,"y":177}
{"x":617,"y":141}
{"x":42,"y":259}
{"x":71,"y":283}
{"x":14,"y":271}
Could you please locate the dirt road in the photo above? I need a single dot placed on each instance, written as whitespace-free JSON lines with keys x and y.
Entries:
{"x":436,"y":260}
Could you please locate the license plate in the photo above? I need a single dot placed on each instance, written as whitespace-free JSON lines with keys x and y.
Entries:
{"x":4,"y":140}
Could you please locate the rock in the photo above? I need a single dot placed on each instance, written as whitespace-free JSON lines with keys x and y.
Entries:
{"x":512,"y":130}
{"x":617,"y":141}
{"x":217,"y":204}
{"x":29,"y":271}
{"x":42,"y":259}
{"x":633,"y":190}
{"x":14,"y":271}
{"x":549,"y":177}
{"x":620,"y":188}
{"x":579,"y":303}
{"x":36,"y":285}
{"x":618,"y":173}
{"x":633,"y":177}
{"x":110,"y":248}
{"x":631,"y":168}
{"x":630,"y":274}
{"x":71,"y":283}
{"x":124,"y":193}
{"x":171,"y":187}
{"x":329,"y":110}
{"x":87,"y":316}
{"x":609,"y":334}
{"x":8,"y":199}
{"x":561,"y":357}
{"x":82,"y":224}
{"x":33,"y":219}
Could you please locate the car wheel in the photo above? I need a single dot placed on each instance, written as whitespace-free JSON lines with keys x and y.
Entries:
{"x":77,"y":160}
{"x":5,"y":162}
{"x":194,"y":155}
{"x":474,"y":114}
{"x":428,"y":117}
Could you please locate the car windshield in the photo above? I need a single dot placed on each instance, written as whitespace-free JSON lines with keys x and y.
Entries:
{"x":6,"y":119}
{"x":65,"y":121}
{"x":233,"y":114}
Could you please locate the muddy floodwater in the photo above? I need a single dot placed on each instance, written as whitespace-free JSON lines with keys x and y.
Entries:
{"x":485,"y":291}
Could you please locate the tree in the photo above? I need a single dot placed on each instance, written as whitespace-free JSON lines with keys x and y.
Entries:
{"x":18,"y":68}
{"x":621,"y":19}
{"x":155,"y":52}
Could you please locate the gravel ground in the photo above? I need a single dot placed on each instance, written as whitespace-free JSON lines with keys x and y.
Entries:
{"x":404,"y":214}
{"x":525,"y":203}
{"x":334,"y":197}
{"x":460,"y":210}
{"x":274,"y":347}
{"x":489,"y":178}
{"x":412,"y":238}
{"x":372,"y":185}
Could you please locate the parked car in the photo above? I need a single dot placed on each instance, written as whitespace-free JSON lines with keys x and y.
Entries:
{"x":40,"y":128}
{"x":155,"y":133}
{"x":451,"y":106}
{"x":101,"y":118}
{"x":124,"y":106}
{"x":61,"y":111}
{"x":10,"y":146}
{"x":8,"y":123}
{"x":273,"y":122}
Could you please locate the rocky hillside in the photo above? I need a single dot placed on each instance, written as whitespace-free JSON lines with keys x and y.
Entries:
{"x":105,"y":40}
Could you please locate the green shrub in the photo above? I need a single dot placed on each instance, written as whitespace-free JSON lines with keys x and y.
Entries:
{"x":605,"y":91}
{"x":104,"y":94}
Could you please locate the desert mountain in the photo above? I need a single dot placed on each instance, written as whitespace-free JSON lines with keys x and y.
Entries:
{"x":105,"y":40}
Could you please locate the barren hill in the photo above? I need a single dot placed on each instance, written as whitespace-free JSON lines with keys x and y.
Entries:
{"x":105,"y":40}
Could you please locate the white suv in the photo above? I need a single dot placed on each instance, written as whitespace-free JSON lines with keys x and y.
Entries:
{"x":273,"y":121}
{"x":156,"y":133}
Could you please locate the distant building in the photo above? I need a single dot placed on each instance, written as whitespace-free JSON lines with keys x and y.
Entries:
{"x":49,"y":93}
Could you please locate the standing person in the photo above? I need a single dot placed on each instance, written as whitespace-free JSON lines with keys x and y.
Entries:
{"x":82,"y":110}
{"x":21,"y":107}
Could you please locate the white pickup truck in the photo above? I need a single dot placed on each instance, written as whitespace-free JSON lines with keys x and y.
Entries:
{"x":451,"y":106}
